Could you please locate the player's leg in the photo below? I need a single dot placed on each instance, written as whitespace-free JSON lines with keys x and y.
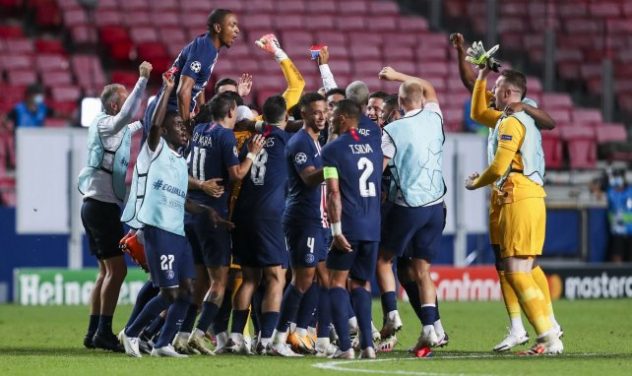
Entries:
{"x":95,"y":307}
{"x":362,"y":269}
{"x":543,"y":284}
{"x":220,"y":324}
{"x":339,"y":263}
{"x":241,"y":305}
{"x":523,"y":225}
{"x":399,"y":226}
{"x":323,"y":345}
{"x":425,"y":245}
{"x":274,"y":277}
{"x":115,"y":272}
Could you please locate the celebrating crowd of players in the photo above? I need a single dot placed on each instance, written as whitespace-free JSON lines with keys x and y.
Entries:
{"x":312,"y":199}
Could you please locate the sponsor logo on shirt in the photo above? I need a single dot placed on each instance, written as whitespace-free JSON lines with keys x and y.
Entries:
{"x":505,"y":137}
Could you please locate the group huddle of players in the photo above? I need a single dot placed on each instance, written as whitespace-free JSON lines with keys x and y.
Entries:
{"x":285,"y":218}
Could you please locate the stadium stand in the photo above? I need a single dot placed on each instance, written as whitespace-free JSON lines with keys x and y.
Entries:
{"x":74,"y":51}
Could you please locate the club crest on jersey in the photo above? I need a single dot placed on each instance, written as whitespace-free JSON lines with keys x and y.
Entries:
{"x":309,"y":258}
{"x":300,"y":158}
{"x":235,"y":151}
{"x":196,"y":66}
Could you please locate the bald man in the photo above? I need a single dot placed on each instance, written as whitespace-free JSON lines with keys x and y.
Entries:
{"x":413,"y":150}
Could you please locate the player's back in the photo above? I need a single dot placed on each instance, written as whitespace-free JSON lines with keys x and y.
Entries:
{"x":213,"y":151}
{"x":359,"y":166}
{"x":368,"y":128}
{"x":263,"y":190}
{"x":303,"y":202}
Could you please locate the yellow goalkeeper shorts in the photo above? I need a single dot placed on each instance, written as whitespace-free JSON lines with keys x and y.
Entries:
{"x":522,"y":227}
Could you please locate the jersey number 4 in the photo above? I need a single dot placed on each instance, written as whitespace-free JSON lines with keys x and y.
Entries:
{"x":367,"y":188}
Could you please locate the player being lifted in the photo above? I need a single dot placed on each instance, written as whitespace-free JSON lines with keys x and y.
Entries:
{"x":193,"y":67}
{"x":517,"y":171}
{"x":352,"y":173}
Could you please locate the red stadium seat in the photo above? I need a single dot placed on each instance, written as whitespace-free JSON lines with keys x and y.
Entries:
{"x":383,"y":8}
{"x":288,"y":22}
{"x":572,"y":10}
{"x":560,"y":115}
{"x":64,"y":108}
{"x":359,"y":52}
{"x":397,"y":52}
{"x":19,"y":46}
{"x":582,"y":115}
{"x":66,"y":93}
{"x":367,"y":67}
{"x":162,"y":19}
{"x":143,"y":35}
{"x":22,"y":77}
{"x":412,"y":24}
{"x":355,"y":7}
{"x":51,"y":62}
{"x":292,"y":7}
{"x":55,"y":123}
{"x":605,"y":9}
{"x":320,"y":23}
{"x":130,"y":5}
{"x":611,"y":132}
{"x":340,"y":68}
{"x":49,"y":46}
{"x":109,"y":18}
{"x":11,"y":31}
{"x":552,"y":147}
{"x":164,"y":5}
{"x":261,"y":6}
{"x":350,"y":23}
{"x":125,"y":78}
{"x":257,"y":21}
{"x":75,"y":17}
{"x":328,"y":36}
{"x":304,"y":39}
{"x":175,"y":35}
{"x":383,"y":23}
{"x":556,"y":100}
{"x":581,"y":146}
{"x":61,"y":78}
{"x":322,"y":7}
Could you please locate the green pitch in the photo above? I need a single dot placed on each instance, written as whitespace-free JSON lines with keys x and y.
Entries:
{"x":598,"y":340}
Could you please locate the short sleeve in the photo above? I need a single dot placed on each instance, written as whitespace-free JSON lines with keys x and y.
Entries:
{"x":388,"y":147}
{"x":230,"y":153}
{"x":198,"y":62}
{"x":510,"y":134}
{"x":301,"y":156}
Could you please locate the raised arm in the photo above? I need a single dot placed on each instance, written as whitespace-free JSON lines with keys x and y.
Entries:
{"x":329,"y":82}
{"x":184,"y":101}
{"x":480,"y":111}
{"x":159,"y":113}
{"x":132,"y":103}
{"x":466,"y":73}
{"x":237,"y":172}
{"x":390,"y":74}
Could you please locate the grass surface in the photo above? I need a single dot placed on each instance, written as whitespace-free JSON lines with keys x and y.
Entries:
{"x":598,"y":340}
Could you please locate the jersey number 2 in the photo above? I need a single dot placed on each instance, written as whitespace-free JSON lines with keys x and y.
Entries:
{"x":367,"y":189}
{"x":166,"y":262}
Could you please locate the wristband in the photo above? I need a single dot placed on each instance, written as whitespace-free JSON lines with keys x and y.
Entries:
{"x":336,"y":228}
{"x":251,"y":156}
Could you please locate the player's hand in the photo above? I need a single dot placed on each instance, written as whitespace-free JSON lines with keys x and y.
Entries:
{"x":244,"y":85}
{"x":145,"y":69}
{"x":457,"y":40}
{"x":388,"y":74}
{"x":469,"y":182}
{"x":323,"y":56}
{"x":256,"y":144}
{"x":219,"y":221}
{"x":484,"y":71}
{"x":168,"y":81}
{"x":513,"y":108}
{"x":340,"y":243}
{"x":212,"y":187}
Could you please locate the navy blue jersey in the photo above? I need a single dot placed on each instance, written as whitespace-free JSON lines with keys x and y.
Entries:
{"x":262,"y":193}
{"x":303,"y":203}
{"x":196,"y":60}
{"x":359,"y":166}
{"x":368,"y":128}
{"x":213,"y":151}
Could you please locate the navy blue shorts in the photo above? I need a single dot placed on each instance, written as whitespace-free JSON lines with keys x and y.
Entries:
{"x":360,"y":262}
{"x":307,"y":243}
{"x":259,"y":243}
{"x":418,"y":228}
{"x":169,"y":257}
{"x":211,"y":245}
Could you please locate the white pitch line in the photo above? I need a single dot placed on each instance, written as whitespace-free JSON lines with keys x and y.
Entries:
{"x":339,"y":365}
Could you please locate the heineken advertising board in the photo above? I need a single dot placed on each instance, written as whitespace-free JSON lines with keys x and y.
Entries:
{"x":47,"y":286}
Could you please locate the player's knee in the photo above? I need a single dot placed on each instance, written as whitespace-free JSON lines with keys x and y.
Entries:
{"x":169,"y":294}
